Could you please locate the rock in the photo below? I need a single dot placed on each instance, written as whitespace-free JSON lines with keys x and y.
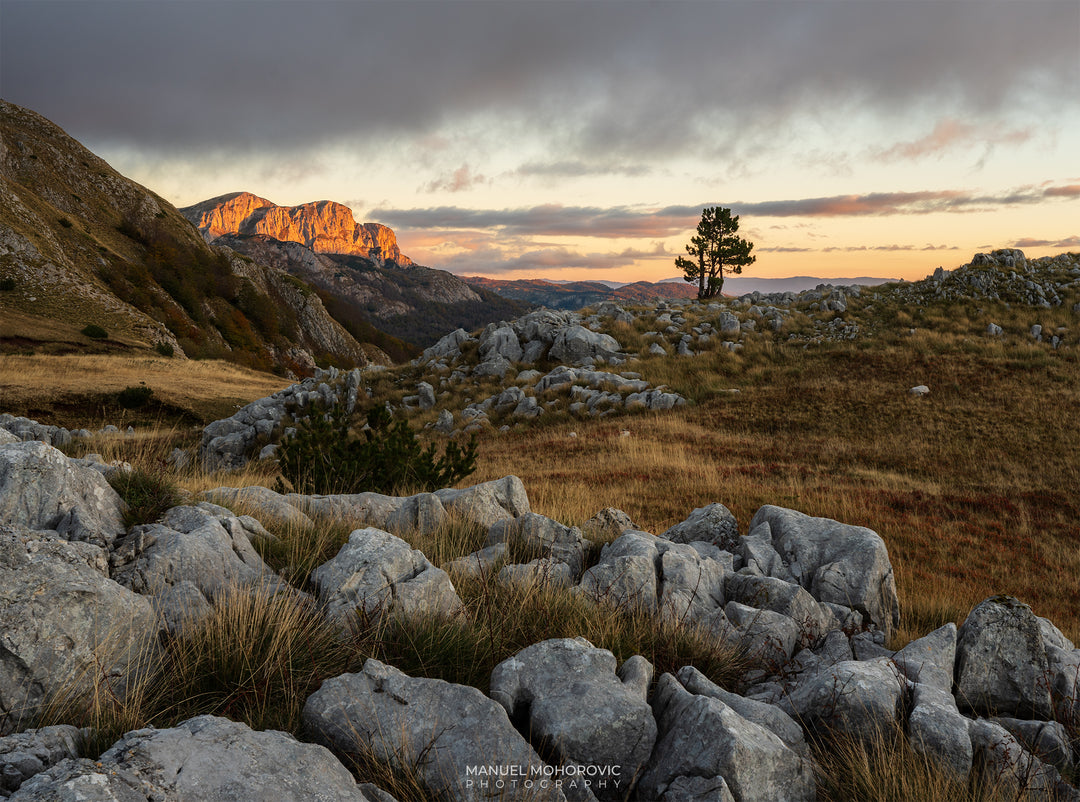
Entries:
{"x":711,"y":524}
{"x":655,"y":349}
{"x":657,"y":575}
{"x":768,"y":593}
{"x":536,"y":534}
{"x":577,"y":345}
{"x":838,"y":563}
{"x":487,"y":503}
{"x":608,"y":524}
{"x":478,"y":564}
{"x":765,"y":634}
{"x":994,"y":330}
{"x":376,"y":573}
{"x":1001,"y":663}
{"x":180,"y":605}
{"x":450,"y":734}
{"x":206,"y":758}
{"x":25,"y":754}
{"x":205,"y":545}
{"x":423,"y":512}
{"x":7,"y":437}
{"x":768,"y":716}
{"x":68,"y":629}
{"x":919,"y":390}
{"x":261,"y":500}
{"x":930,"y":659}
{"x":1047,"y":740}
{"x":445,"y":423}
{"x":565,"y":695}
{"x":858,"y":699}
{"x":758,"y":555}
{"x":40,"y":488}
{"x":701,"y":737}
{"x":501,"y":341}
{"x":426,"y":395}
{"x":937,"y":731}
{"x":544,"y":572}
{"x":729,"y":324}
{"x":1004,"y":763}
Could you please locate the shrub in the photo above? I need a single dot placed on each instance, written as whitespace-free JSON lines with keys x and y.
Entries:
{"x":147,"y":494}
{"x":95,"y":332}
{"x":326,"y":456}
{"x":164,"y":348}
{"x":65,"y":222}
{"x":7,"y":284}
{"x":134,"y":397}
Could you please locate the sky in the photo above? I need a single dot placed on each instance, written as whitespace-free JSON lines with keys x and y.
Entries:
{"x":580,"y":139}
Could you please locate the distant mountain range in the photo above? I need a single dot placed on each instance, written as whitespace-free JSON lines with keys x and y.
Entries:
{"x":741,"y":285}
{"x":578,"y":294}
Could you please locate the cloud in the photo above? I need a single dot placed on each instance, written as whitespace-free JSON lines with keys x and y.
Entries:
{"x":462,"y":178}
{"x":579,"y":168}
{"x":950,"y":134}
{"x":1068,"y":242}
{"x":593,"y":79}
{"x":633,"y":222}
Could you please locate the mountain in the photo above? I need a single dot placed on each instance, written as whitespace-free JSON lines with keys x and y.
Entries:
{"x":81,"y":245}
{"x":578,"y":294}
{"x":324,"y":226}
{"x":357,"y":270}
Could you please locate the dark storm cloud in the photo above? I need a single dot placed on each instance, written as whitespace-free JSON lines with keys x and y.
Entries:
{"x":598,"y":78}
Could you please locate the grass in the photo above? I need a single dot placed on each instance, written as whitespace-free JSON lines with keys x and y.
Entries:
{"x":973,"y":489}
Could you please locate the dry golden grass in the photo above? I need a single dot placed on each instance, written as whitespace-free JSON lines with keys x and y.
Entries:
{"x":73,"y":389}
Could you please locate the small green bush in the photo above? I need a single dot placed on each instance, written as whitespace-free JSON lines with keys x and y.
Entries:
{"x":134,"y":397}
{"x":164,"y":348}
{"x":147,"y":494}
{"x":95,"y":332}
{"x":326,"y":456}
{"x":65,"y":222}
{"x":7,"y":284}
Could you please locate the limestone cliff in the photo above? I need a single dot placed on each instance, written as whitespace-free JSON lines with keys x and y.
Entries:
{"x":324,"y":226}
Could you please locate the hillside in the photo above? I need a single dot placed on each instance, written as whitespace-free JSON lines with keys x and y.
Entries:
{"x":83,"y":245}
{"x":579,"y":294}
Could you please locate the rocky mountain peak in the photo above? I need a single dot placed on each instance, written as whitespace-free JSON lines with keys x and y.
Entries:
{"x":324,"y":226}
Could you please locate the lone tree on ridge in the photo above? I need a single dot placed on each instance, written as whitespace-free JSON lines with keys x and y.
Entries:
{"x":717,"y":251}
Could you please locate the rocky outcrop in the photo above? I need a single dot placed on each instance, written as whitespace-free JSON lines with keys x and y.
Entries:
{"x":459,"y":741}
{"x":207,"y":758}
{"x":323,"y":226}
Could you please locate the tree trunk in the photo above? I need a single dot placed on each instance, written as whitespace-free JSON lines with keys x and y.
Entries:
{"x":701,"y":275}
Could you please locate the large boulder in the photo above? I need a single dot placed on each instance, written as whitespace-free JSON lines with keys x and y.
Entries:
{"x":485,"y":504}
{"x":679,"y":580}
{"x":701,"y":737}
{"x":937,"y":731}
{"x":376,"y":573}
{"x":500,"y":340}
{"x":207,"y":758}
{"x":459,"y":741}
{"x":861,"y":699}
{"x":40,"y":488}
{"x":712,"y":524}
{"x":423,"y":512}
{"x":540,"y":535}
{"x":260,"y":500}
{"x":1001,"y":663}
{"x":577,"y":345}
{"x":566,"y":696}
{"x":205,"y":545}
{"x":68,"y":629}
{"x":838,"y":563}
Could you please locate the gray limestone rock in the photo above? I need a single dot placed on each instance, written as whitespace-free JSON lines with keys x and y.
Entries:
{"x":576,"y":345}
{"x":861,"y":699}
{"x":205,"y":545}
{"x":487,"y":503}
{"x":68,"y":629}
{"x":768,"y":716}
{"x":701,"y":737}
{"x":836,"y":562}
{"x":40,"y":488}
{"x":543,"y":536}
{"x":937,"y":730}
{"x":423,"y":512}
{"x":478,"y":564}
{"x":501,"y":341}
{"x":207,"y":758}
{"x":544,"y":572}
{"x":376,"y":573}
{"x":711,"y":524}
{"x":565,"y":694}
{"x":261,"y":500}
{"x":426,"y":395}
{"x":768,"y":593}
{"x":1048,"y":740}
{"x":931,"y":658}
{"x":765,"y":634}
{"x":1002,"y":761}
{"x":607,"y":524}
{"x":1001,"y":663}
{"x":450,"y":734}
{"x":25,"y":754}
